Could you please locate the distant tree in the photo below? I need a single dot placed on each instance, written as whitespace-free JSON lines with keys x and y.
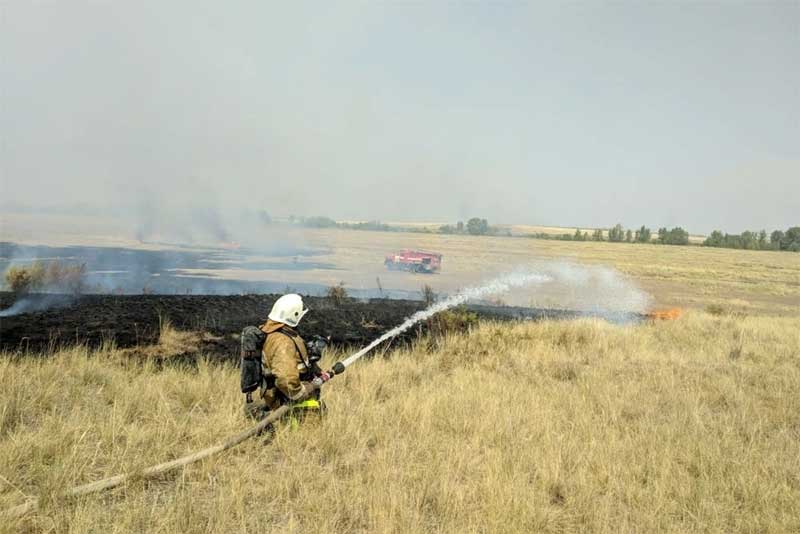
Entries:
{"x":775,"y":239}
{"x":679,"y":236}
{"x":791,"y":239}
{"x":458,"y":228}
{"x":643,"y":235}
{"x":476,"y":226}
{"x":578,"y":236}
{"x":629,"y":236}
{"x":319,"y":222}
{"x":716,"y":239}
{"x":748,"y":240}
{"x":597,"y":235}
{"x":676,"y":236}
{"x":616,"y":234}
{"x":762,"y":240}
{"x":375,"y":226}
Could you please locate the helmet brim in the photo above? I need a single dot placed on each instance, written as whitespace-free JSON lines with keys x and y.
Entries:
{"x":288,"y":320}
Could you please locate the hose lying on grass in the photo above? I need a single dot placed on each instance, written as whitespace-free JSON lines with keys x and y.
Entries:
{"x":154,"y":471}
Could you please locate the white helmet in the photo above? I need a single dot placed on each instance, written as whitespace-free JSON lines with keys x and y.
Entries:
{"x":288,"y":309}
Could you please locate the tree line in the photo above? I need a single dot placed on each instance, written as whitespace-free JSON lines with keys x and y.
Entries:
{"x":618,"y":234}
{"x":474,"y":226}
{"x":788,"y":240}
{"x":327,"y":222}
{"x":777,"y":240}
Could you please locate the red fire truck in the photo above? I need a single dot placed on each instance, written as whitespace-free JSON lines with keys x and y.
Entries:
{"x":415,"y":261}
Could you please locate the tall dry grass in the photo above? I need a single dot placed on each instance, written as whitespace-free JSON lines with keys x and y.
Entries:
{"x":683,"y":426}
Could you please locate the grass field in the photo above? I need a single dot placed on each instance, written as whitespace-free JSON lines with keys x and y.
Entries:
{"x":759,"y":282}
{"x":679,"y":426}
{"x":756,"y":282}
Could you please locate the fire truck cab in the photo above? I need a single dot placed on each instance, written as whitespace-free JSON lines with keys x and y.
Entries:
{"x":414,"y":261}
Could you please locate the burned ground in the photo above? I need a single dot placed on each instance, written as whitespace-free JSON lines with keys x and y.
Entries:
{"x":130,"y":320}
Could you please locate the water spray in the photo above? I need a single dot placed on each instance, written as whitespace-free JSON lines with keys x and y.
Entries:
{"x":499,"y":285}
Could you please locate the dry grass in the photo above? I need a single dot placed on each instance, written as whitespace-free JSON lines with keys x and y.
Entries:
{"x":172,"y":343}
{"x":757,"y":282}
{"x":337,"y":293}
{"x":676,"y":426}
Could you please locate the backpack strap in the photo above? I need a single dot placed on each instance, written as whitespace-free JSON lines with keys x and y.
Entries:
{"x":297,"y":344}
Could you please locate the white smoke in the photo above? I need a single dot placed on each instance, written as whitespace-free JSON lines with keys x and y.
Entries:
{"x":494,"y":287}
{"x":34,"y":303}
{"x":596,"y":289}
{"x":604,"y":290}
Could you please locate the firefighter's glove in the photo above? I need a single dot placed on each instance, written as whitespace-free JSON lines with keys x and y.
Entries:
{"x":321,"y":378}
{"x":308,"y":389}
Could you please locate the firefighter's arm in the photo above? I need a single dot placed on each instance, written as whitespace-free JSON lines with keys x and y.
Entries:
{"x":284,"y":368}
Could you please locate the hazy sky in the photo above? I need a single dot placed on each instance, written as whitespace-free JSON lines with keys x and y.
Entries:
{"x":545,"y":113}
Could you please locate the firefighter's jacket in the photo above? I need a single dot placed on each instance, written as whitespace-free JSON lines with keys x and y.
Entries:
{"x":285,"y":357}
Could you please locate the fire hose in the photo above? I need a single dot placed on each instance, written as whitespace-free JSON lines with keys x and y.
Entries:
{"x":151,"y":472}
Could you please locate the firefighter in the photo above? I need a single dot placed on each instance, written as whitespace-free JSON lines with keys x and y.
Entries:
{"x":286,"y":364}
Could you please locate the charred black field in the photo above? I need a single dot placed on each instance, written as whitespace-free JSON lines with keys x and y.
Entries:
{"x":131,"y":320}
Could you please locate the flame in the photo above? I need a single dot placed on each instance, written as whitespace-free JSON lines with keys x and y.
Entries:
{"x":672,"y":313}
